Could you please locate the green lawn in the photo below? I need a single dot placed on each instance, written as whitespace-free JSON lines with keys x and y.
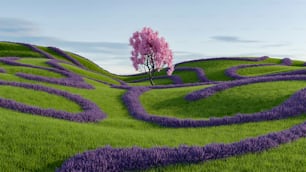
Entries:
{"x":35,"y":143}
{"x":35,"y":61}
{"x":32,"y":97}
{"x":55,"y":140}
{"x":8,"y":49}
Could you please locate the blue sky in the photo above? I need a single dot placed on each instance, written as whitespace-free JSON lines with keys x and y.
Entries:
{"x":100,"y":29}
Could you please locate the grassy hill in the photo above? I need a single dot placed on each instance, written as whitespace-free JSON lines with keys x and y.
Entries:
{"x":60,"y":111}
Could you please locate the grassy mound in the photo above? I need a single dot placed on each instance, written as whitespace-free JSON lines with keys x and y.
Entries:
{"x":31,"y":142}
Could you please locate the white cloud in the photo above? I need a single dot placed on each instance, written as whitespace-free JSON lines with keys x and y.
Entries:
{"x":17,"y":27}
{"x":232,"y":39}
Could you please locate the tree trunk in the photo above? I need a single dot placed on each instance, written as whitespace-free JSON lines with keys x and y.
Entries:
{"x":151,"y":77}
{"x":151,"y":67}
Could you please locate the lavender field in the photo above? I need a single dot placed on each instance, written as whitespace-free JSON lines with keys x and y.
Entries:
{"x":61,"y":112}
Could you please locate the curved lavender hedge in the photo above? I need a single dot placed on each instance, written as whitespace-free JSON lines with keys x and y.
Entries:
{"x":286,"y":61}
{"x":54,"y":63}
{"x":61,"y":81}
{"x":196,"y":95}
{"x":199,"y":71}
{"x":91,"y":112}
{"x":72,"y":79}
{"x":68,"y":57}
{"x":127,"y":159}
{"x":13,"y":62}
{"x":120,"y":81}
{"x":291,"y":107}
{"x":34,"y":48}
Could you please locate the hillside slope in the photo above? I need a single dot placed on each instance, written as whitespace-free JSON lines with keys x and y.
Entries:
{"x":61,"y":112}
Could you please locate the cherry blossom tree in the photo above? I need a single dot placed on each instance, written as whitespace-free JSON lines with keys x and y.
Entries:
{"x":151,"y":52}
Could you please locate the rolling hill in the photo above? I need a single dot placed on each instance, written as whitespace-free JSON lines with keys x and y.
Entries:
{"x":62,"y":112}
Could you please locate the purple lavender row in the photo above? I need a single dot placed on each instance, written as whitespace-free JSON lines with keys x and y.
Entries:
{"x":91,"y":112}
{"x":2,"y":70}
{"x":12,"y":61}
{"x":232,"y":72}
{"x":60,"y":81}
{"x":68,"y":57}
{"x":199,"y":71}
{"x":49,"y":56}
{"x":35,"y":49}
{"x":196,"y":95}
{"x":291,"y":107}
{"x":227,"y":58}
{"x":120,"y":81}
{"x":71,"y":80}
{"x":74,"y":61}
{"x":175,"y":79}
{"x":129,"y":159}
{"x":286,"y":62}
{"x":54,"y":63}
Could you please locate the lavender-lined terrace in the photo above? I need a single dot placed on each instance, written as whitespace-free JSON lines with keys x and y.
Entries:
{"x":54,"y":63}
{"x":291,"y":107}
{"x":71,"y":79}
{"x":91,"y":112}
{"x":34,"y":48}
{"x":136,"y":158}
{"x":68,"y":57}
{"x":112,"y":159}
{"x":61,"y":81}
{"x":13,"y":62}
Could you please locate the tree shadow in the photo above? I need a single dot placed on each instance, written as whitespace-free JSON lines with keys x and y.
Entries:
{"x":51,"y":166}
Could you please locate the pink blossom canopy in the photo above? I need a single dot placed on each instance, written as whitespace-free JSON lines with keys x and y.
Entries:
{"x":149,"y":48}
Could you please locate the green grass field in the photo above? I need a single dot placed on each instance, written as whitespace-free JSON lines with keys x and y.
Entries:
{"x":35,"y":143}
